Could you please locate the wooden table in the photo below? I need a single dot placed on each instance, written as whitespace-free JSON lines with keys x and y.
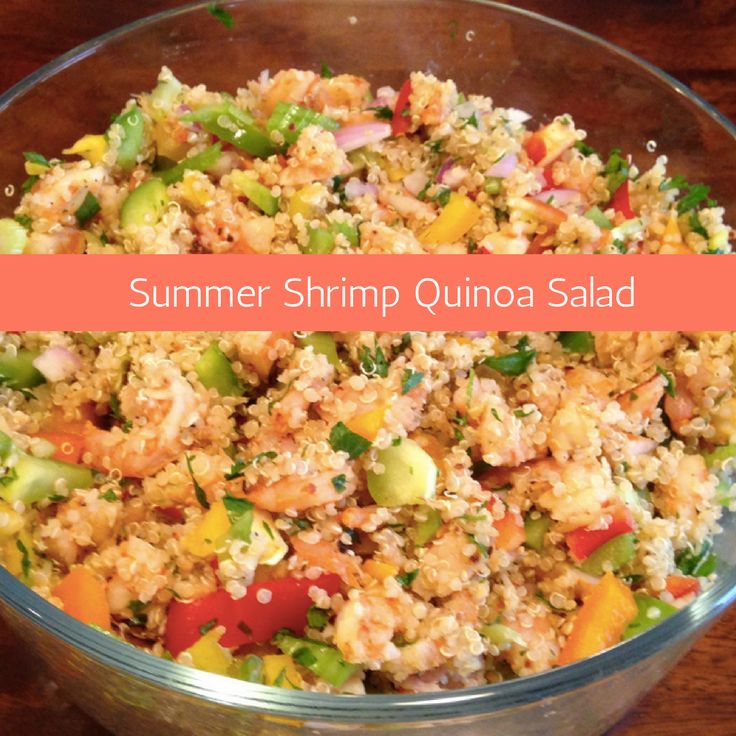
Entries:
{"x":692,"y":40}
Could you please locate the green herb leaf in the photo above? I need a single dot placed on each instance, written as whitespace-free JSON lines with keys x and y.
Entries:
{"x":512,"y":364}
{"x":374,"y":364}
{"x":410,"y":379}
{"x":405,"y":579}
{"x":237,"y":468}
{"x":317,"y":618}
{"x":700,"y":563}
{"x":481,"y":547}
{"x":36,"y":158}
{"x":577,"y":342}
{"x":696,"y":226}
{"x":382,"y":112}
{"x":670,"y":381}
{"x":342,"y":439}
{"x":585,"y":149}
{"x":695,"y":195}
{"x":339,"y":482}
{"x":24,"y":220}
{"x":220,"y":14}
{"x":25,"y":562}
{"x":87,"y":210}
{"x":27,"y":185}
{"x":198,"y":490}
{"x":595,"y":214}
{"x":204,"y":628}
{"x":443,"y":196}
{"x":472,"y":120}
{"x":676,"y":182}
{"x":616,"y":170}
{"x":326,"y":72}
{"x":137,"y":608}
{"x":110,"y":496}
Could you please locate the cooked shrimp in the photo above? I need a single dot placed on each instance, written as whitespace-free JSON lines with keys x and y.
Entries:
{"x":689,"y":490}
{"x":642,"y":400}
{"x":314,"y":157}
{"x":679,"y":408}
{"x":63,"y":240}
{"x":261,"y":350}
{"x":159,"y":412}
{"x":449,"y":562}
{"x":326,"y":556}
{"x":288,"y":85}
{"x":234,"y":229}
{"x":431,"y":100}
{"x":409,"y":207}
{"x":344,"y":91}
{"x":300,"y":492}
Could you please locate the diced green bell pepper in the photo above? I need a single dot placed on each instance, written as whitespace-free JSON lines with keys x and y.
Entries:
{"x":535,"y":531}
{"x":492,"y":185}
{"x":18,"y":372}
{"x":595,"y":214}
{"x":251,"y":669}
{"x":131,"y":144}
{"x":650,"y":612}
{"x":500,"y":634}
{"x":290,"y":120}
{"x":32,"y":479}
{"x":323,"y":343}
{"x":215,"y":371}
{"x":698,"y":564}
{"x":322,"y":239}
{"x":145,"y":205}
{"x":325,"y":661}
{"x":165,"y":93}
{"x":234,"y":126}
{"x":13,"y":236}
{"x":259,"y":195}
{"x":200,"y":162}
{"x":616,"y":552}
{"x":425,"y":530}
{"x":719,"y":455}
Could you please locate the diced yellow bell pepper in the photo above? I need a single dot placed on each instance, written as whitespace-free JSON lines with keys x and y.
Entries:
{"x":208,"y":655}
{"x":368,"y":424}
{"x":196,"y":189}
{"x":395,"y":173}
{"x":557,"y":137}
{"x":13,"y":556}
{"x":380,"y":570}
{"x":202,"y":540}
{"x":672,"y":242}
{"x":33,"y":169}
{"x":458,"y":216}
{"x":90,"y":147}
{"x":307,"y":202}
{"x":601,"y":622}
{"x":279,"y":670}
{"x":11,"y":522}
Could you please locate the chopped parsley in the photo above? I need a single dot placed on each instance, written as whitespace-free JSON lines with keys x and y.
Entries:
{"x":198,"y":490}
{"x":24,"y":220}
{"x":696,"y":194}
{"x":512,"y":364}
{"x":481,"y":547}
{"x":521,"y":413}
{"x":110,"y":496}
{"x":405,"y":579}
{"x":374,"y":364}
{"x":405,"y":342}
{"x":410,"y":379}
{"x":36,"y":158}
{"x":27,"y":185}
{"x":139,"y":618}
{"x":434,"y":146}
{"x":585,"y":149}
{"x":616,"y":170}
{"x":382,"y":112}
{"x":240,"y":513}
{"x":325,"y":72}
{"x":237,"y":468}
{"x":496,"y":416}
{"x":670,"y":381}
{"x":25,"y":562}
{"x":696,"y":226}
{"x":700,"y":563}
{"x":220,"y":14}
{"x":204,"y":628}
{"x":339,"y":482}
{"x":472,"y":120}
{"x":443,"y":196}
{"x":317,"y":618}
{"x":342,"y":439}
{"x":87,"y":210}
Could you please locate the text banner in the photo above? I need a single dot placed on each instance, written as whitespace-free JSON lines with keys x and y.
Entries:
{"x":367,"y":292}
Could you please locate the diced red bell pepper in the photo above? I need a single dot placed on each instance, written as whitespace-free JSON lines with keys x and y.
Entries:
{"x":401,"y":121}
{"x":621,"y":202}
{"x":681,"y":585}
{"x":582,"y":542}
{"x":246,"y":620}
{"x":535,"y":147}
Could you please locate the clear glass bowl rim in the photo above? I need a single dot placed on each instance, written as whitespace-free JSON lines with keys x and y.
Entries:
{"x":318,"y":707}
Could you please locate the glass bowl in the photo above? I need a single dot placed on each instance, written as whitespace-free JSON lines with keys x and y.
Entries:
{"x":521,"y":60}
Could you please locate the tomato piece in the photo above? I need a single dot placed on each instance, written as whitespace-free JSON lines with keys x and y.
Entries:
{"x":621,"y":202}
{"x":682,"y":585}
{"x":246,"y":620}
{"x":582,"y":542}
{"x":535,"y":147}
{"x":548,"y":178}
{"x":401,"y":121}
{"x":69,"y":447}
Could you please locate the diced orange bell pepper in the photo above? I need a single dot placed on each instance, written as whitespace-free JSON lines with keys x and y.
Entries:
{"x":582,"y":542}
{"x":550,"y":142}
{"x":84,"y":597}
{"x":69,"y":447}
{"x":458,"y":216}
{"x":510,"y":528}
{"x":679,"y":586}
{"x":535,"y":147}
{"x":368,"y":424}
{"x":602,"y":620}
{"x":380,"y":570}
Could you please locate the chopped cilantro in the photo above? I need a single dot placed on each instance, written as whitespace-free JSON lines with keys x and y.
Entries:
{"x":405,"y":342}
{"x":204,"y":628}
{"x":325,"y":71}
{"x":434,"y":146}
{"x":443,"y":196}
{"x":220,"y":14}
{"x":616,"y":170}
{"x":472,"y":120}
{"x":410,"y":379}
{"x":110,"y":496}
{"x":27,"y":185}
{"x":696,"y":226}
{"x":695,"y":195}
{"x":382,"y":112}
{"x":36,"y":158}
{"x":339,"y":482}
{"x":405,"y":579}
{"x":25,"y":562}
{"x":87,"y":210}
{"x":521,"y":413}
{"x":481,"y":547}
{"x":342,"y":439}
{"x":512,"y":364}
{"x":373,"y":364}
{"x":198,"y":490}
{"x":670,"y":381}
{"x":139,"y":618}
{"x":585,"y":149}
{"x":237,"y":468}
{"x":24,"y":220}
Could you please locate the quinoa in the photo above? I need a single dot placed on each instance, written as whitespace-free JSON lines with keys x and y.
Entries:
{"x":440,"y":588}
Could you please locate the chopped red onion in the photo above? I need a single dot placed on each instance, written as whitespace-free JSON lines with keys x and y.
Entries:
{"x":263,"y":77}
{"x":446,"y":166}
{"x":57,"y":363}
{"x":357,"y":188}
{"x":361,"y":134}
{"x":560,"y":196}
{"x":516,"y":116}
{"x":504,"y":166}
{"x":454,"y":177}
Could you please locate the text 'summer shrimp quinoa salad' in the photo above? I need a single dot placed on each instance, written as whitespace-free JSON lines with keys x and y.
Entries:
{"x":366,"y":512}
{"x":361,"y":512}
{"x":299,"y":162}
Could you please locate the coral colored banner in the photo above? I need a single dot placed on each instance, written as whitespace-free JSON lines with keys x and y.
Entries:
{"x":359,"y":292}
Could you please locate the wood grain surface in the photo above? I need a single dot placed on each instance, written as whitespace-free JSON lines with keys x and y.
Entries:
{"x":690,"y":39}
